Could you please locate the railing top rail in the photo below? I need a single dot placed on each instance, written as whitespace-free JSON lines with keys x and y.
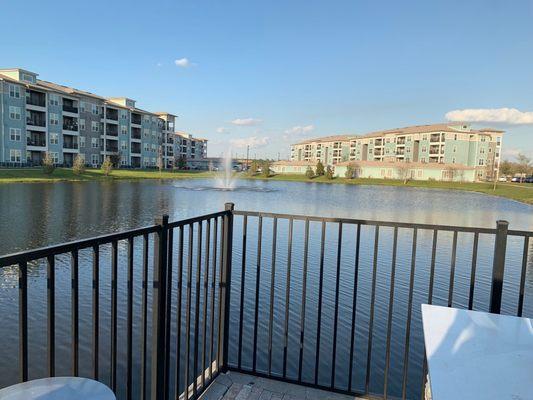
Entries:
{"x":200,"y":218}
{"x":392,"y":224}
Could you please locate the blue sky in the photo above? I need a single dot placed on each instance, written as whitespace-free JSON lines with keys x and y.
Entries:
{"x":268,"y":73}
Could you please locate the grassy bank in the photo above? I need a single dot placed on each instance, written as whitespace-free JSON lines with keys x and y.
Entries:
{"x":519,"y":192}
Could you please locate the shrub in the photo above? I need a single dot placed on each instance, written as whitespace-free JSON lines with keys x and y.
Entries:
{"x":309,"y":172}
{"x":319,"y":169}
{"x":107,"y":166}
{"x":48,"y":164}
{"x":79,"y":165}
{"x":329,"y":173}
{"x":349,"y":174}
{"x":265,"y":169}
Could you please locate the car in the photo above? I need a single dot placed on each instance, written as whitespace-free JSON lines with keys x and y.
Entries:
{"x":502,"y":179}
{"x":515,"y":179}
{"x":529,"y":179}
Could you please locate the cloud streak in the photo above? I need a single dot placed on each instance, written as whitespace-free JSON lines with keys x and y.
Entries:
{"x":253,"y":141}
{"x":183,"y":63}
{"x":221,"y":129}
{"x":246,"y":121}
{"x":300,"y":130}
{"x":509,"y":116}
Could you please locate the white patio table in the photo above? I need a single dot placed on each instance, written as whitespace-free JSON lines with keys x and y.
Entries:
{"x":60,"y":388}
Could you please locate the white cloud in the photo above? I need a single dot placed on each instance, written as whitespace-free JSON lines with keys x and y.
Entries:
{"x":253,"y":141}
{"x":510,"y":116}
{"x":246,"y":121}
{"x":159,"y":64}
{"x":221,"y":129}
{"x":300,"y":130}
{"x":183,"y":63}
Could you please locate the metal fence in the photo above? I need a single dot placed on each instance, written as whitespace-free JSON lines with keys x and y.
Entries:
{"x":314,"y":301}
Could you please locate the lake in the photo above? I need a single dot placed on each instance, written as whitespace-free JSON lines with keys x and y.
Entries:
{"x":35,"y":215}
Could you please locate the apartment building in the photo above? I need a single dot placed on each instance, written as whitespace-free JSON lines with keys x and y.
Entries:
{"x":38,"y":117}
{"x":451,"y":145}
{"x":190,"y":148}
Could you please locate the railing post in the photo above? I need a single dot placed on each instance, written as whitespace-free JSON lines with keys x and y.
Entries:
{"x":159,"y":353}
{"x":498,"y":266}
{"x":225,"y":287}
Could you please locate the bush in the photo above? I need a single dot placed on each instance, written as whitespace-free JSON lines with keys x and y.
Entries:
{"x":265,"y":169}
{"x":309,"y":172}
{"x":319,"y":169}
{"x":79,"y":165}
{"x":349,"y":174}
{"x":107,"y":166}
{"x":48,"y":164}
{"x":329,"y":173}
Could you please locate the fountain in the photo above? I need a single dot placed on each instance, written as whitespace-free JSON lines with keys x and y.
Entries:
{"x":225,"y":179}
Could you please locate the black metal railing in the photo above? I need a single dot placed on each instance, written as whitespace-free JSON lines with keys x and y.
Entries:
{"x":331,"y":303}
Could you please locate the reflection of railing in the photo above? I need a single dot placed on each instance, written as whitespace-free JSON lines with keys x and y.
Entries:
{"x":297,"y":335}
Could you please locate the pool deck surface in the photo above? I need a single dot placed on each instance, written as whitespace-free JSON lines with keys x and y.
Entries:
{"x":238,"y":386}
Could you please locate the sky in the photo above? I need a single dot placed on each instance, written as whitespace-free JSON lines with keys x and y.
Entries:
{"x":270,"y":73}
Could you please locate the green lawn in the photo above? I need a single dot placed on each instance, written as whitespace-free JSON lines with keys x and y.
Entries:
{"x":515,"y":191}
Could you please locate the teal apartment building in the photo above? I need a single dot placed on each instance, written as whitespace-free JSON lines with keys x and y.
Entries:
{"x":39,"y":117}
{"x":450,"y":151}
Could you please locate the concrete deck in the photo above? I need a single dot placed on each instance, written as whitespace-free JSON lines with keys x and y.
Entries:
{"x":237,"y":386}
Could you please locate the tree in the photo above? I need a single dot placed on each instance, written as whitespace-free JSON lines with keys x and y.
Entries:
{"x":48,"y":164}
{"x":309,"y":172}
{"x":79,"y":165}
{"x":506,"y":168}
{"x":160,"y":163}
{"x":319,"y":168}
{"x":265,"y":168}
{"x":180,"y":162}
{"x":350,"y":172}
{"x":524,"y":164}
{"x":107,"y":166}
{"x":403,"y":168}
{"x":254,"y":167}
{"x":329,"y":172}
{"x":451,"y":172}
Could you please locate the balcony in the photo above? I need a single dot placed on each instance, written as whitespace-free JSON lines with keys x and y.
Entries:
{"x":136,"y":133}
{"x":136,"y":119}
{"x":36,"y":139}
{"x":136,"y":148}
{"x":111,"y":114}
{"x":70,"y":124}
{"x":70,"y":109}
{"x":400,"y":141}
{"x":35,"y":118}
{"x":111,"y":130}
{"x":378,"y":142}
{"x":226,"y":318}
{"x":111,"y":147}
{"x":436,"y":137}
{"x":34,"y":98}
{"x":70,"y":144}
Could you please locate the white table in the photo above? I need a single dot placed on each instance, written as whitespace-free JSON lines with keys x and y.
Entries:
{"x":476,"y":355}
{"x":62,"y":388}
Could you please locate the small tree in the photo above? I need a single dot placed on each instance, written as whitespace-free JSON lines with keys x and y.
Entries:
{"x":319,"y":168}
{"x":107,"y":166}
{"x":309,"y":172}
{"x":79,"y":165}
{"x":254,"y":167}
{"x":265,"y":169}
{"x":160,"y":163}
{"x":329,"y":172}
{"x":350,"y":172}
{"x":403,"y":171}
{"x":506,"y":168}
{"x":524,"y":164}
{"x":48,"y":164}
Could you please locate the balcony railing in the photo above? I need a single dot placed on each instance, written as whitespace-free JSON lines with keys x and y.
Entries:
{"x":70,"y":109}
{"x":67,"y":145}
{"x":38,"y":142}
{"x":290,"y":297}
{"x":70,"y":126}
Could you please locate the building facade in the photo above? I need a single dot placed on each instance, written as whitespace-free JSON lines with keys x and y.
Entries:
{"x":453,"y":146}
{"x":39,"y":117}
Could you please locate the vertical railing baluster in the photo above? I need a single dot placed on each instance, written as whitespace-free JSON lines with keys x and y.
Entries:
{"x":452,"y":268}
{"x":523,"y":276}
{"x":498,"y":266}
{"x":287,"y":299}
{"x":371,"y":317}
{"x":409,"y":313}
{"x":144,"y":311}
{"x":74,"y":311}
{"x":96,"y":309}
{"x":206,"y":289}
{"x":178,"y":310}
{"x":168,"y":309}
{"x":51,"y":315}
{"x":336,"y":312}
{"x":220,"y":306}
{"x":129,"y":322}
{"x":23,"y":321}
{"x":114,"y":273}
{"x":304,"y":298}
{"x":354,"y":305}
{"x":320,"y":287}
{"x":272,"y":280}
{"x":390,"y":313}
{"x":197,"y":307}
{"x":188,"y":308}
{"x":213,"y":287}
{"x":243,"y":279}
{"x":256,"y":302}
{"x":473,"y":272}
{"x":225,"y":285}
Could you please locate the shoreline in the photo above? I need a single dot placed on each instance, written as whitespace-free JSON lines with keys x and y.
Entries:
{"x":518,"y":192}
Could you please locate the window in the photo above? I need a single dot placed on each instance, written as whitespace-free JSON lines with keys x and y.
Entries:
{"x":54,"y":138}
{"x":55,"y":157}
{"x":95,"y":159}
{"x":154,"y":134}
{"x":54,"y":99}
{"x":146,"y":133}
{"x":94,"y":143}
{"x":124,"y":129}
{"x":95,"y":127}
{"x":54,"y":119}
{"x":455,"y":149}
{"x":15,"y":155}
{"x":124,"y":145}
{"x":123,"y":160}
{"x":14,"y":91}
{"x":147,"y":119}
{"x":14,"y":113}
{"x":453,"y":160}
{"x":14,"y":134}
{"x":82,"y":156}
{"x":424,"y":137}
{"x":146,"y":161}
{"x":82,"y":141}
{"x":82,"y":106}
{"x":481,"y":162}
{"x":154,"y":149}
{"x":28,"y":78}
{"x":82,"y":124}
{"x":146,"y":147}
{"x":94,"y":109}
{"x":123,"y":114}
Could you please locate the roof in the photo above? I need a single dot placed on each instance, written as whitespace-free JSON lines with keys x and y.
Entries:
{"x":333,"y":138}
{"x":397,"y":164}
{"x":288,"y":163}
{"x":67,"y":89}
